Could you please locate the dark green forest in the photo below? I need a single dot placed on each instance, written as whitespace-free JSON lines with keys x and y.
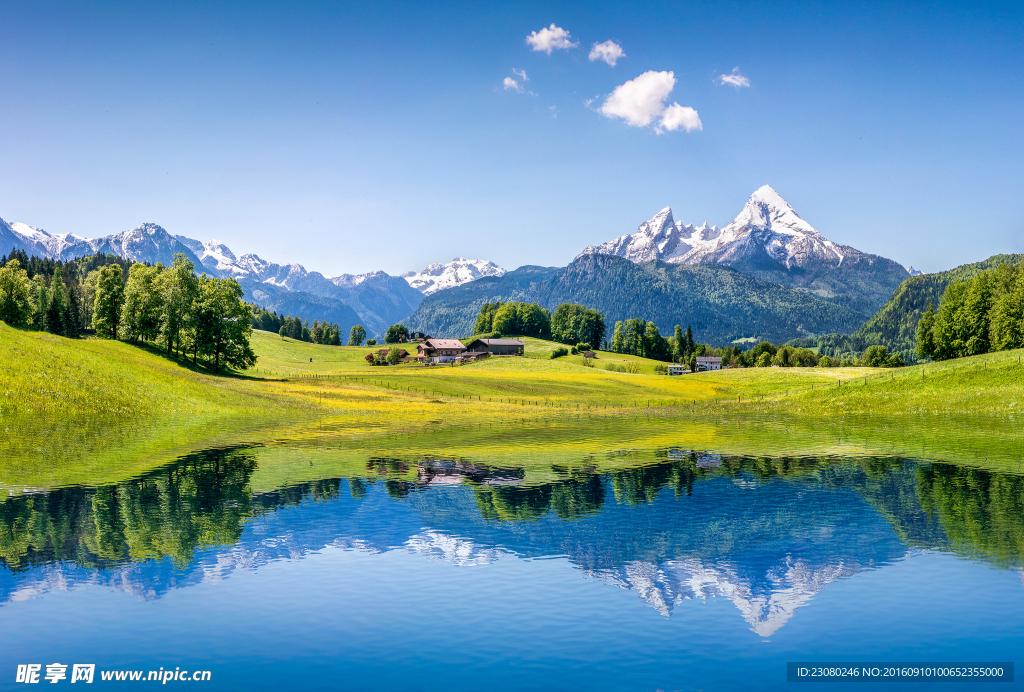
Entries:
{"x":721,"y":304}
{"x":895,"y":324}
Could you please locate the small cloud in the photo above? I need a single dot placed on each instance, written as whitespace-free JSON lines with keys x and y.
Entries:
{"x":677,"y":117}
{"x":609,"y":51}
{"x":512,"y":85}
{"x":734,"y":78}
{"x":549,"y":39}
{"x":521,"y":74}
{"x":554,"y":111}
{"x":641,"y":103}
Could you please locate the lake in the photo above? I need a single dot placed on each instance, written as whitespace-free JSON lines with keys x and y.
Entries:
{"x":660,"y":568}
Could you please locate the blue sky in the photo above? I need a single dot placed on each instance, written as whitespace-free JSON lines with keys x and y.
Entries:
{"x":351,"y":138}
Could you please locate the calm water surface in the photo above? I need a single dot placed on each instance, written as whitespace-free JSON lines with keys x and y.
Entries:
{"x":681,"y":571}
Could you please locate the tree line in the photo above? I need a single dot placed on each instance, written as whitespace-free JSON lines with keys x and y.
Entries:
{"x":49,"y":295}
{"x":323,"y":333}
{"x":978,"y":315}
{"x":570,"y":323}
{"x":193,"y":315}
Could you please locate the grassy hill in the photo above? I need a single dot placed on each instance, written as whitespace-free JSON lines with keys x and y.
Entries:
{"x":91,"y":410}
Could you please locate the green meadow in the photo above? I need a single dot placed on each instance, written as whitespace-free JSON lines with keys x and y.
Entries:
{"x":90,"y":410}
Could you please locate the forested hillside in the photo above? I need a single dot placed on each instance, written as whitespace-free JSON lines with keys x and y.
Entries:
{"x":452,"y":313}
{"x":721,"y":304}
{"x":895,"y":324}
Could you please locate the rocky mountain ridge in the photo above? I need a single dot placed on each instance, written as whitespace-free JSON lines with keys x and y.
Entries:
{"x":437,"y":277}
{"x":771,"y":241}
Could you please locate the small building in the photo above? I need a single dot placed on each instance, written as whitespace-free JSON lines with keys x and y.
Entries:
{"x":705,"y":363}
{"x":678,"y":369}
{"x":440,"y":350}
{"x":496,"y":347}
{"x":402,"y":353}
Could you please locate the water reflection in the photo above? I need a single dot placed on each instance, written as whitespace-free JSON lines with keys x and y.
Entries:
{"x":765,"y":533}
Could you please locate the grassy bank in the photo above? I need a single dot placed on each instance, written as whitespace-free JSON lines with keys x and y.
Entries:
{"x":96,"y":411}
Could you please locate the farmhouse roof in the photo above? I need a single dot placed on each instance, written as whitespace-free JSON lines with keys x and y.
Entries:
{"x":501,"y":342}
{"x":443,"y":343}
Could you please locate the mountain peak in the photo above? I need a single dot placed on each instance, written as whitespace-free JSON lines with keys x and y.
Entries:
{"x":437,"y":276}
{"x":767,"y":232}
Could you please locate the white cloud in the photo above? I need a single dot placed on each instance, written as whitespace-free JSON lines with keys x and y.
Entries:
{"x":641,"y":102}
{"x":549,"y":39}
{"x":677,"y":117}
{"x":512,"y":85}
{"x":609,"y":51}
{"x":521,"y":74}
{"x":734,"y":78}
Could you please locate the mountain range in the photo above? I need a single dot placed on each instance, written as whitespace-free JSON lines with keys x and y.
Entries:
{"x":460,"y":270}
{"x":375,"y":299}
{"x":767,"y":274}
{"x":769,"y":240}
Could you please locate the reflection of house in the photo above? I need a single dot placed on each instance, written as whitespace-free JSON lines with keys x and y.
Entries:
{"x":496,"y":347}
{"x":440,"y":350}
{"x":708,"y":363}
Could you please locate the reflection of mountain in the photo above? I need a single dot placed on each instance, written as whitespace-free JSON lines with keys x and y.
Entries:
{"x":767,"y":534}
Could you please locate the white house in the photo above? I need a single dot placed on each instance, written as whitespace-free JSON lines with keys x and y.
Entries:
{"x":708,"y":363}
{"x":440,"y":350}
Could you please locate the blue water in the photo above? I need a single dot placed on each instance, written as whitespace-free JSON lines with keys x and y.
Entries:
{"x":688,"y":573}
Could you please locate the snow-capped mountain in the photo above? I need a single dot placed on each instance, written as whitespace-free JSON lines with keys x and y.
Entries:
{"x":460,"y":270}
{"x":34,"y":241}
{"x":375,"y":299}
{"x":378,"y":298}
{"x":146,"y":243}
{"x":769,"y":239}
{"x":791,"y":583}
{"x":766,"y":229}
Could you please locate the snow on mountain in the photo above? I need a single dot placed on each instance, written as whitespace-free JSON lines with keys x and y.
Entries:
{"x":34,"y":241}
{"x":766,"y":602}
{"x":767,"y":234}
{"x":460,"y":270}
{"x":767,"y":228}
{"x":914,"y":272}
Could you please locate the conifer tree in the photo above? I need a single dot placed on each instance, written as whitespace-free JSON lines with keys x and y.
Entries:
{"x":57,"y":306}
{"x":925,"y":338}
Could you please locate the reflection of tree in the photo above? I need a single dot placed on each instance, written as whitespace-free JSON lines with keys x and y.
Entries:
{"x":505,"y":503}
{"x":979,"y":510}
{"x":205,"y":500}
{"x":201,"y":500}
{"x":577,"y":497}
{"x":641,"y":485}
